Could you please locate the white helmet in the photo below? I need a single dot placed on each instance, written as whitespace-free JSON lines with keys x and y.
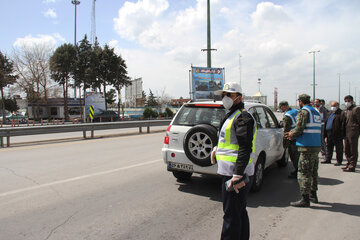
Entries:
{"x":231,"y":87}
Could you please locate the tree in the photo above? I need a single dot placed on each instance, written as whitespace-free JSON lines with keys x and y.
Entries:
{"x":7,"y":77}
{"x":61,"y":67}
{"x":110,"y":96}
{"x":151,"y":101}
{"x":31,"y":64}
{"x":85,"y":69}
{"x":149,"y":112}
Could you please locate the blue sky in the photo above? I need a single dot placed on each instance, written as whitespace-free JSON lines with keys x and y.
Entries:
{"x":160,"y":39}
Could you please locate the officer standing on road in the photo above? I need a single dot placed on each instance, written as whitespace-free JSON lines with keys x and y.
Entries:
{"x":289,"y":121}
{"x":352,"y":134}
{"x":236,"y":135}
{"x":307,"y":134}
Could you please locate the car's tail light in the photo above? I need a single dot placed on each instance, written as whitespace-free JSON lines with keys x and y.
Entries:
{"x":166,"y":140}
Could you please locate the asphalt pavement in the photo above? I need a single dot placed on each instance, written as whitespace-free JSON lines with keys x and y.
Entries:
{"x":118,"y":188}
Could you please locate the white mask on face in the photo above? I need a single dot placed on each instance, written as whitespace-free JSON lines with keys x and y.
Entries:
{"x":334,"y":109}
{"x":348,"y":104}
{"x":227,"y":102}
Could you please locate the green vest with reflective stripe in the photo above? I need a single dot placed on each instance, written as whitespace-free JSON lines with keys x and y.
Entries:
{"x":228,"y":147}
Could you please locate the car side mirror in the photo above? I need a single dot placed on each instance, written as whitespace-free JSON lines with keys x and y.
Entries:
{"x":281,"y":124}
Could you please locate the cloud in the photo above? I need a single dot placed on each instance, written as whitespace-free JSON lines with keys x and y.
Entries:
{"x":40,"y":39}
{"x":49,"y":1}
{"x":268,"y":13}
{"x":50,"y":13}
{"x":138,"y":21}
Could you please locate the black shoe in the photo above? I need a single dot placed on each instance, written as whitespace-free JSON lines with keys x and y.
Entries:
{"x":303,"y":202}
{"x":313,"y":197}
{"x":326,"y":162}
{"x":337,"y":164}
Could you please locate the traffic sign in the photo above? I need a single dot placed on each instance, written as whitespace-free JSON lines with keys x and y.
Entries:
{"x":91,"y":113}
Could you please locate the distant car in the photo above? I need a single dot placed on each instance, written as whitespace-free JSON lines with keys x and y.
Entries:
{"x":192,"y":134}
{"x":17,"y":117}
{"x":106,"y":116}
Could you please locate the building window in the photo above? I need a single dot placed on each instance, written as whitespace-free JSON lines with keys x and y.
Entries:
{"x":54,"y":111}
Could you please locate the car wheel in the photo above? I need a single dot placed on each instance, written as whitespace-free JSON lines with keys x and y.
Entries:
{"x":284,"y":159}
{"x":259,"y":174}
{"x":182,"y":175}
{"x":199,"y":142}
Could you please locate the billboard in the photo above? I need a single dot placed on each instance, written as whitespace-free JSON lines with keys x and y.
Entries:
{"x":206,"y":81}
{"x":96,"y":99}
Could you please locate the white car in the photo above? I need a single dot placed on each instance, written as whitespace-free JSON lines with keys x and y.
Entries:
{"x":192,"y":134}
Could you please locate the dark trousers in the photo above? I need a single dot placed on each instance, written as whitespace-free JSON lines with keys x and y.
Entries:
{"x":236,"y":225}
{"x":351,"y":151}
{"x":294,"y":154}
{"x":338,"y":143}
{"x":323,"y":143}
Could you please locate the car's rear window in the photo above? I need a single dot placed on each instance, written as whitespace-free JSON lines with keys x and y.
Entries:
{"x":193,"y":115}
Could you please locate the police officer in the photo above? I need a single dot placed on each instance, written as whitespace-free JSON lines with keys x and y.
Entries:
{"x":308,"y":140}
{"x":233,"y":152}
{"x":289,"y":121}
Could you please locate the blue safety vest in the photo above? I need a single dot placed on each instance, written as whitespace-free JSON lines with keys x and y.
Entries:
{"x":311,"y":136}
{"x":292,"y":114}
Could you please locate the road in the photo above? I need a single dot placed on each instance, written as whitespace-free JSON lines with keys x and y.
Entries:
{"x":118,"y":188}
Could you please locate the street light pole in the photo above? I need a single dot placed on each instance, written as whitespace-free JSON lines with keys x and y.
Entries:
{"x":339,"y":86}
{"x":75,"y":2}
{"x":313,"y":52}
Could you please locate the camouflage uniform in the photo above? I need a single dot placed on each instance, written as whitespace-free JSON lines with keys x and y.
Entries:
{"x":290,"y":144}
{"x":309,"y":158}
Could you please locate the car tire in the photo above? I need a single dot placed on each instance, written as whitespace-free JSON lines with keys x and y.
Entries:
{"x":284,"y":159}
{"x":182,"y":175}
{"x":258,"y":174}
{"x":199,"y":142}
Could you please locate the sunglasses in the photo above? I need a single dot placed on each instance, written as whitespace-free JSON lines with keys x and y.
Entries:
{"x":226,"y":94}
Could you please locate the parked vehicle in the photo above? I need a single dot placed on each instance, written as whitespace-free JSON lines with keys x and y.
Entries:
{"x":17,"y":117}
{"x":192,"y":135}
{"x":106,"y":116}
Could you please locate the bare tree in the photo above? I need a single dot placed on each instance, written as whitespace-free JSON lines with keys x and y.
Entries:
{"x":163,"y":99}
{"x":31,"y":63}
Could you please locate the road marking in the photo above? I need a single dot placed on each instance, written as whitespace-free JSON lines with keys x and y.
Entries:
{"x":76,"y":178}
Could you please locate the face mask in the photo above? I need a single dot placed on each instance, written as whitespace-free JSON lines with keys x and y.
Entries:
{"x":348,"y":104}
{"x":333,"y":109}
{"x":227,"y":102}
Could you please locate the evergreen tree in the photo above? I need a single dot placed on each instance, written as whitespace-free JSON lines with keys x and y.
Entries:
{"x":151,"y":101}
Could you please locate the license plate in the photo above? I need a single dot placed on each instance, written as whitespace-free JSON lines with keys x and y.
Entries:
{"x":181,"y":166}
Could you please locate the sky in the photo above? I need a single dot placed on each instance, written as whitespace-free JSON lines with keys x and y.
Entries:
{"x":161,"y":39}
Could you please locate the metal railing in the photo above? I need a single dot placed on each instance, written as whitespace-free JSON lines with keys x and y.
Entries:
{"x":7,"y":132}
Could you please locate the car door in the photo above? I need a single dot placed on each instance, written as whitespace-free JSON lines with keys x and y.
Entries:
{"x":276,"y":143}
{"x":263,"y":136}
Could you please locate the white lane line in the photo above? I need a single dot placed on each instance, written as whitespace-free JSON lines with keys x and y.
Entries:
{"x":76,"y":178}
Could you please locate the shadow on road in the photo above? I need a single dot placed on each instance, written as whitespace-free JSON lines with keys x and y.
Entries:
{"x":277,"y":190}
{"x":329,"y":181}
{"x":350,"y":209}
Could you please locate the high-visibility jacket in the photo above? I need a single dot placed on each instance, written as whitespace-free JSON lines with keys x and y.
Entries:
{"x":292,"y":114}
{"x":311,"y":136}
{"x":228,"y":147}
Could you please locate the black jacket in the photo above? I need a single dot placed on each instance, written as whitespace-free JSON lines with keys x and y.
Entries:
{"x":244,"y":127}
{"x":338,"y":126}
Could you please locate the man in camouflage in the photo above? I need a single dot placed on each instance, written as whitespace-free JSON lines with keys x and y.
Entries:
{"x":289,"y":121}
{"x":308,"y":140}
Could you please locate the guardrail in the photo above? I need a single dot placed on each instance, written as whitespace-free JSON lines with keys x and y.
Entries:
{"x":84,"y":127}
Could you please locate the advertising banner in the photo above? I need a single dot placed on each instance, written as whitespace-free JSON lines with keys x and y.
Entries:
{"x":95,"y":99}
{"x":206,"y":81}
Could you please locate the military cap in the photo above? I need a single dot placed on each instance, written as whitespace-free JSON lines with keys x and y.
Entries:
{"x":304,"y":97}
{"x":283,"y":103}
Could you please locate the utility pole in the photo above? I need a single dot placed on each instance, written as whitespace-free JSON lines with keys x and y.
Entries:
{"x":313,"y":52}
{"x":208,"y":49}
{"x":75,"y":2}
{"x":339,"y":86}
{"x":240,"y":67}
{"x":275,"y":99}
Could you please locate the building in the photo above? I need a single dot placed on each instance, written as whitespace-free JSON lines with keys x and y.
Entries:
{"x":133,"y":92}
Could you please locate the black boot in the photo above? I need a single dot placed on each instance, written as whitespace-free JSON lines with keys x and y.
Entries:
{"x":303,"y":202}
{"x":313,"y":197}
